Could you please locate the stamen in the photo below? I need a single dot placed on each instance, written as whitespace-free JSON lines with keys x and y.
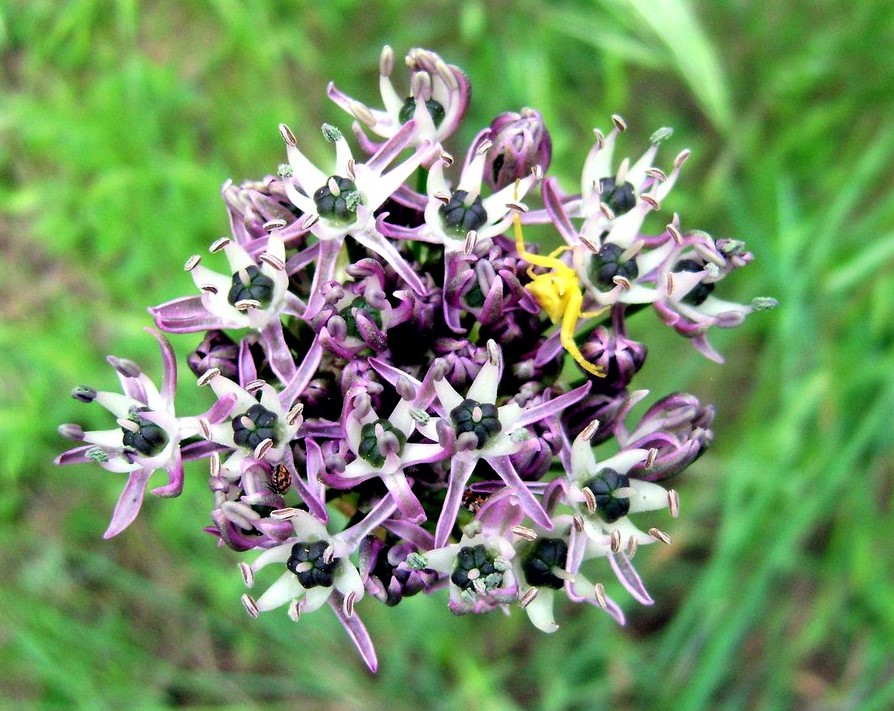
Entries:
{"x":621,"y":281}
{"x":615,"y":540}
{"x":255,"y":385}
{"x":657,"y":173}
{"x":442,"y":197}
{"x":250,"y":605}
{"x":205,"y":428}
{"x":669,"y":286}
{"x":590,"y":498}
{"x":631,"y":251}
{"x":263,"y":448}
{"x":660,"y":135}
{"x":632,"y":545}
{"x":275,"y":224}
{"x":673,"y":503}
{"x":208,"y":288}
{"x":484,"y":147}
{"x":599,"y":592}
{"x":349,"y":604}
{"x":287,"y":135}
{"x":386,"y":61}
{"x":607,"y":211}
{"x":192,"y":262}
{"x":248,"y":576}
{"x":659,"y":535}
{"x":310,"y":220}
{"x":493,"y":353}
{"x":578,"y":522}
{"x":650,"y":201}
{"x":214,"y":463}
{"x":471,"y":241}
{"x":294,"y":610}
{"x":651,"y":457}
{"x":272,"y":260}
{"x":130,"y":425}
{"x":332,"y":184}
{"x":219,"y":244}
{"x":362,"y":114}
{"x":600,"y":137}
{"x":674,"y":232}
{"x":247,"y":304}
{"x":446,"y":159}
{"x":528,"y":596}
{"x":620,"y":123}
{"x":590,"y":430}
{"x":681,"y":158}
{"x":284,"y":514}
{"x":621,"y":175}
{"x":207,"y":376}
{"x":529,"y":534}
{"x":293,"y":414}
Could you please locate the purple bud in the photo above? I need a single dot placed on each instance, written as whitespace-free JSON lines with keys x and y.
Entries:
{"x":385,"y":572}
{"x":620,"y":357}
{"x":520,"y":141}
{"x":217,"y":350}
{"x":599,"y":406}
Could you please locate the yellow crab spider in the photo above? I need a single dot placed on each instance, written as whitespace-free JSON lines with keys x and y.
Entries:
{"x":558,"y":293}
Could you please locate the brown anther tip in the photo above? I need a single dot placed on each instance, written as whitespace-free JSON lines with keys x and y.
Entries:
{"x":207,"y":376}
{"x":309,"y":221}
{"x":470,"y":241}
{"x":669,"y":284}
{"x":349,"y":604}
{"x":214,"y":463}
{"x":673,"y":503}
{"x":589,"y":244}
{"x":205,"y":428}
{"x":537,"y":172}
{"x":484,"y":147}
{"x":284,"y":514}
{"x":219,"y":244}
{"x":657,"y":173}
{"x":529,"y":534}
{"x":442,"y":197}
{"x":620,"y":123}
{"x":588,"y":431}
{"x":386,"y":61}
{"x":208,"y":288}
{"x":263,"y":447}
{"x":599,"y":592}
{"x":675,"y":233}
{"x":651,"y":201}
{"x":287,"y":135}
{"x":528,"y":596}
{"x":251,"y":607}
{"x":615,"y":540}
{"x":621,"y":281}
{"x":600,"y":137}
{"x":682,"y":157}
{"x":272,"y":260}
{"x":518,"y":207}
{"x":660,"y":535}
{"x":248,"y":576}
{"x":590,"y":498}
{"x":578,"y":522}
{"x":276,"y":224}
{"x":247,"y":304}
{"x":293,"y":414}
{"x":651,"y":456}
{"x":493,"y":352}
{"x":294,"y":610}
{"x":607,"y":211}
{"x":632,"y":545}
{"x":192,"y":263}
{"x":446,"y":159}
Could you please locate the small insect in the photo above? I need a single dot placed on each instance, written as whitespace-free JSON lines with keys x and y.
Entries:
{"x":558,"y":293}
{"x":473,"y":500}
{"x":280,"y":480}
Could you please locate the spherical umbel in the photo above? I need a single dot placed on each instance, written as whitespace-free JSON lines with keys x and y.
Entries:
{"x":250,"y":284}
{"x":253,"y":427}
{"x":545,"y":555}
{"x":479,"y":418}
{"x":308,"y":562}
{"x":461,"y":215}
{"x":603,"y":486}
{"x":607,"y":265}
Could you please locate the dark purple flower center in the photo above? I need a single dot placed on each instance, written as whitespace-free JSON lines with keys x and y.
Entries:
{"x":369,"y":441}
{"x":701,"y":291}
{"x":479,"y":418}
{"x":603,"y":486}
{"x":435,"y":110}
{"x":620,"y":198}
{"x":148,"y":439}
{"x":253,"y":427}
{"x":606,"y":265}
{"x":251,"y":284}
{"x":473,"y":564}
{"x":337,"y":200}
{"x":460,"y":215}
{"x":545,"y":555}
{"x":308,"y":562}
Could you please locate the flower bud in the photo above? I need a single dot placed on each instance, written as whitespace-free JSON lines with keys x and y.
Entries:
{"x":520,"y":141}
{"x":620,"y":357}
{"x":217,"y":350}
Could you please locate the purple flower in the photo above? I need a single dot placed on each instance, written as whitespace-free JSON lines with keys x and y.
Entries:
{"x":520,"y":142}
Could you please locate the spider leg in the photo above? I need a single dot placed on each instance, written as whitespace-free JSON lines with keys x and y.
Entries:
{"x":569,"y":322}
{"x":594,"y":314}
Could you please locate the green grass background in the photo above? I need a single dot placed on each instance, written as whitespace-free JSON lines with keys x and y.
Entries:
{"x":120,"y":120}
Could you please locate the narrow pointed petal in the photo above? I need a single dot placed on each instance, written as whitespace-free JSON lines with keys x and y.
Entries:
{"x":355,"y":628}
{"x":460,"y":471}
{"x":629,"y":578}
{"x":129,"y":502}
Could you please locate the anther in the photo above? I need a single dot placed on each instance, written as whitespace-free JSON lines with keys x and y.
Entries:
{"x":659,"y":535}
{"x":529,"y":534}
{"x":590,"y":430}
{"x":446,"y":159}
{"x":484,"y":147}
{"x":650,"y":201}
{"x":248,"y":576}
{"x":294,"y":610}
{"x":255,"y":385}
{"x":537,"y":172}
{"x":205,"y":428}
{"x":621,"y":281}
{"x":362,"y":114}
{"x":208,"y":288}
{"x":293,"y":414}
{"x":578,"y":522}
{"x":620,"y":123}
{"x":528,"y":596}
{"x":675,"y":233}
{"x":275,"y":224}
{"x":207,"y":376}
{"x":251,"y":607}
{"x":287,"y":135}
{"x":651,"y":456}
{"x":192,"y":263}
{"x":632,"y":545}
{"x":351,"y":169}
{"x":600,"y":137}
{"x":263,"y":447}
{"x":607,"y":211}
{"x":272,"y":260}
{"x":471,"y":241}
{"x":247,"y":304}
{"x":681,"y":158}
{"x":673,"y":502}
{"x":349,"y":604}
{"x":518,"y":207}
{"x":386,"y":61}
{"x":219,"y":244}
{"x":669,"y":285}
{"x":615,"y":540}
{"x":657,"y":173}
{"x":493,"y":352}
{"x":129,"y":425}
{"x":599,"y":592}
{"x":310,"y":220}
{"x":284,"y":514}
{"x":590,"y":498}
{"x":214,"y":464}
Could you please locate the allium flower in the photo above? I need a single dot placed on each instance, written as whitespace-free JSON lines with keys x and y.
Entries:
{"x":148,"y":436}
{"x":438,"y":99}
{"x":389,"y":358}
